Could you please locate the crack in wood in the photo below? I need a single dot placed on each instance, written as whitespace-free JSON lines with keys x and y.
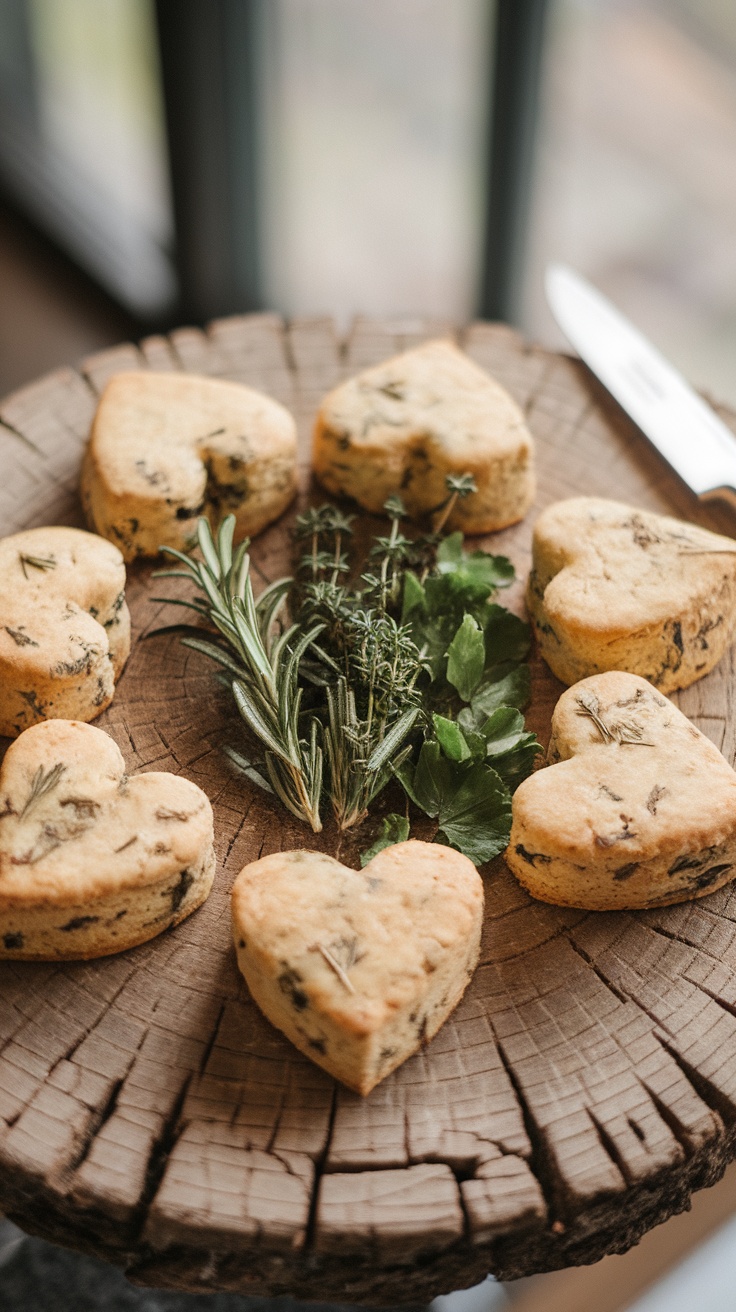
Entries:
{"x":97,"y":1124}
{"x":162,"y":1148}
{"x":682,"y":1134}
{"x":539,"y":1161}
{"x":6,"y":427}
{"x":319,"y":1167}
{"x":705,"y":1088}
{"x":609,"y":1146}
{"x":613,"y":988}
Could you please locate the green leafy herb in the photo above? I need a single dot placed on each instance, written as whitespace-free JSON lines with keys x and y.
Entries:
{"x":451,"y":738}
{"x":466,"y":658}
{"x":394,"y":829}
{"x":410,"y":672}
{"x":470,"y":802}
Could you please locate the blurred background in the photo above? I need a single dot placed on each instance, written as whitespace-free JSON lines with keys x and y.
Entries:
{"x":172,"y":160}
{"x":164,"y":160}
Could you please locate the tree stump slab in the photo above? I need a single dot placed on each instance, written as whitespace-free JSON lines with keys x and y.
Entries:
{"x":583,"y":1089}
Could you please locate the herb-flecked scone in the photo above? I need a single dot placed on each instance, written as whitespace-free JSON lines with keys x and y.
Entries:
{"x":614,"y":588}
{"x":637,"y":808}
{"x":359,"y":968}
{"x":92,"y":860}
{"x":64,"y":626}
{"x":405,"y":425}
{"x":167,"y":447}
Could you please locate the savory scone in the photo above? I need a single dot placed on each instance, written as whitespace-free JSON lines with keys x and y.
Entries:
{"x":166,"y":448}
{"x":359,"y":967}
{"x":637,"y":808}
{"x":614,"y":588}
{"x":405,"y":425}
{"x":92,"y":860}
{"x":64,"y":626}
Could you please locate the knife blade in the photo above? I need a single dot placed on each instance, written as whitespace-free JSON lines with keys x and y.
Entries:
{"x":683,"y":427}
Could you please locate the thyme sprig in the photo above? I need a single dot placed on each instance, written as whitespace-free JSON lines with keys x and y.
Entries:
{"x":374,"y":703}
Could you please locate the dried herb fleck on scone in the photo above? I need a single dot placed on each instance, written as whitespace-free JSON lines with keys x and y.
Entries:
{"x":614,"y":588}
{"x":637,"y":808}
{"x":64,"y":626}
{"x":92,"y":860}
{"x":359,"y":968}
{"x":404,"y":425}
{"x":168,"y":447}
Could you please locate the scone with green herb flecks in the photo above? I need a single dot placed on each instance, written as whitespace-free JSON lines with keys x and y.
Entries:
{"x":168,"y":447}
{"x":637,"y":808}
{"x":93,"y":861}
{"x":358,"y":968}
{"x":615,"y":588}
{"x":64,"y":626}
{"x":404,"y":425}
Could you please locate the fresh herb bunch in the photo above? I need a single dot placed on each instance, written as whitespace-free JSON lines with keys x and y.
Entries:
{"x":412,"y":673}
{"x":371,"y":687}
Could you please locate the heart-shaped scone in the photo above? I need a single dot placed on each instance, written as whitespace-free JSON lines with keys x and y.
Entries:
{"x":637,"y":808}
{"x":92,"y":860}
{"x":166,"y":448}
{"x":64,"y":626}
{"x":405,"y":425}
{"x":614,"y":588}
{"x":359,"y":967}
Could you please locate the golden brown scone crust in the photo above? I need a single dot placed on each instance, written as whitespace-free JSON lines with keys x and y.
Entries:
{"x":64,"y":626}
{"x":404,"y":425}
{"x":93,"y":861}
{"x":403,"y":935}
{"x":637,"y":808}
{"x":615,"y":588}
{"x":167,"y":447}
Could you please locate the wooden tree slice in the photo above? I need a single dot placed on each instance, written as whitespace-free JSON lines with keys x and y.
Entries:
{"x":583,"y":1089}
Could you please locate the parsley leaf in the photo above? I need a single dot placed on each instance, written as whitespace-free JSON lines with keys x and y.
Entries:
{"x":394,"y":829}
{"x":507,"y":637}
{"x":506,"y":744}
{"x":466,"y":658}
{"x":451,"y":739}
{"x":462,"y":585}
{"x":511,"y":686}
{"x":477,"y":818}
{"x":470,"y":802}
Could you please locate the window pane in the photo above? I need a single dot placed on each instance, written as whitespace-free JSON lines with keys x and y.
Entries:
{"x":83,"y":145}
{"x":637,"y":172}
{"x":372,"y":154}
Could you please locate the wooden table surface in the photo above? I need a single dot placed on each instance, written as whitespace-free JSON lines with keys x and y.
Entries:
{"x":585,"y":1086}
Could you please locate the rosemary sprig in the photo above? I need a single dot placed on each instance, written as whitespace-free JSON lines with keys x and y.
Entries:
{"x":363,"y":754}
{"x":37,"y":562}
{"x":42,"y":783}
{"x":261,"y":660}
